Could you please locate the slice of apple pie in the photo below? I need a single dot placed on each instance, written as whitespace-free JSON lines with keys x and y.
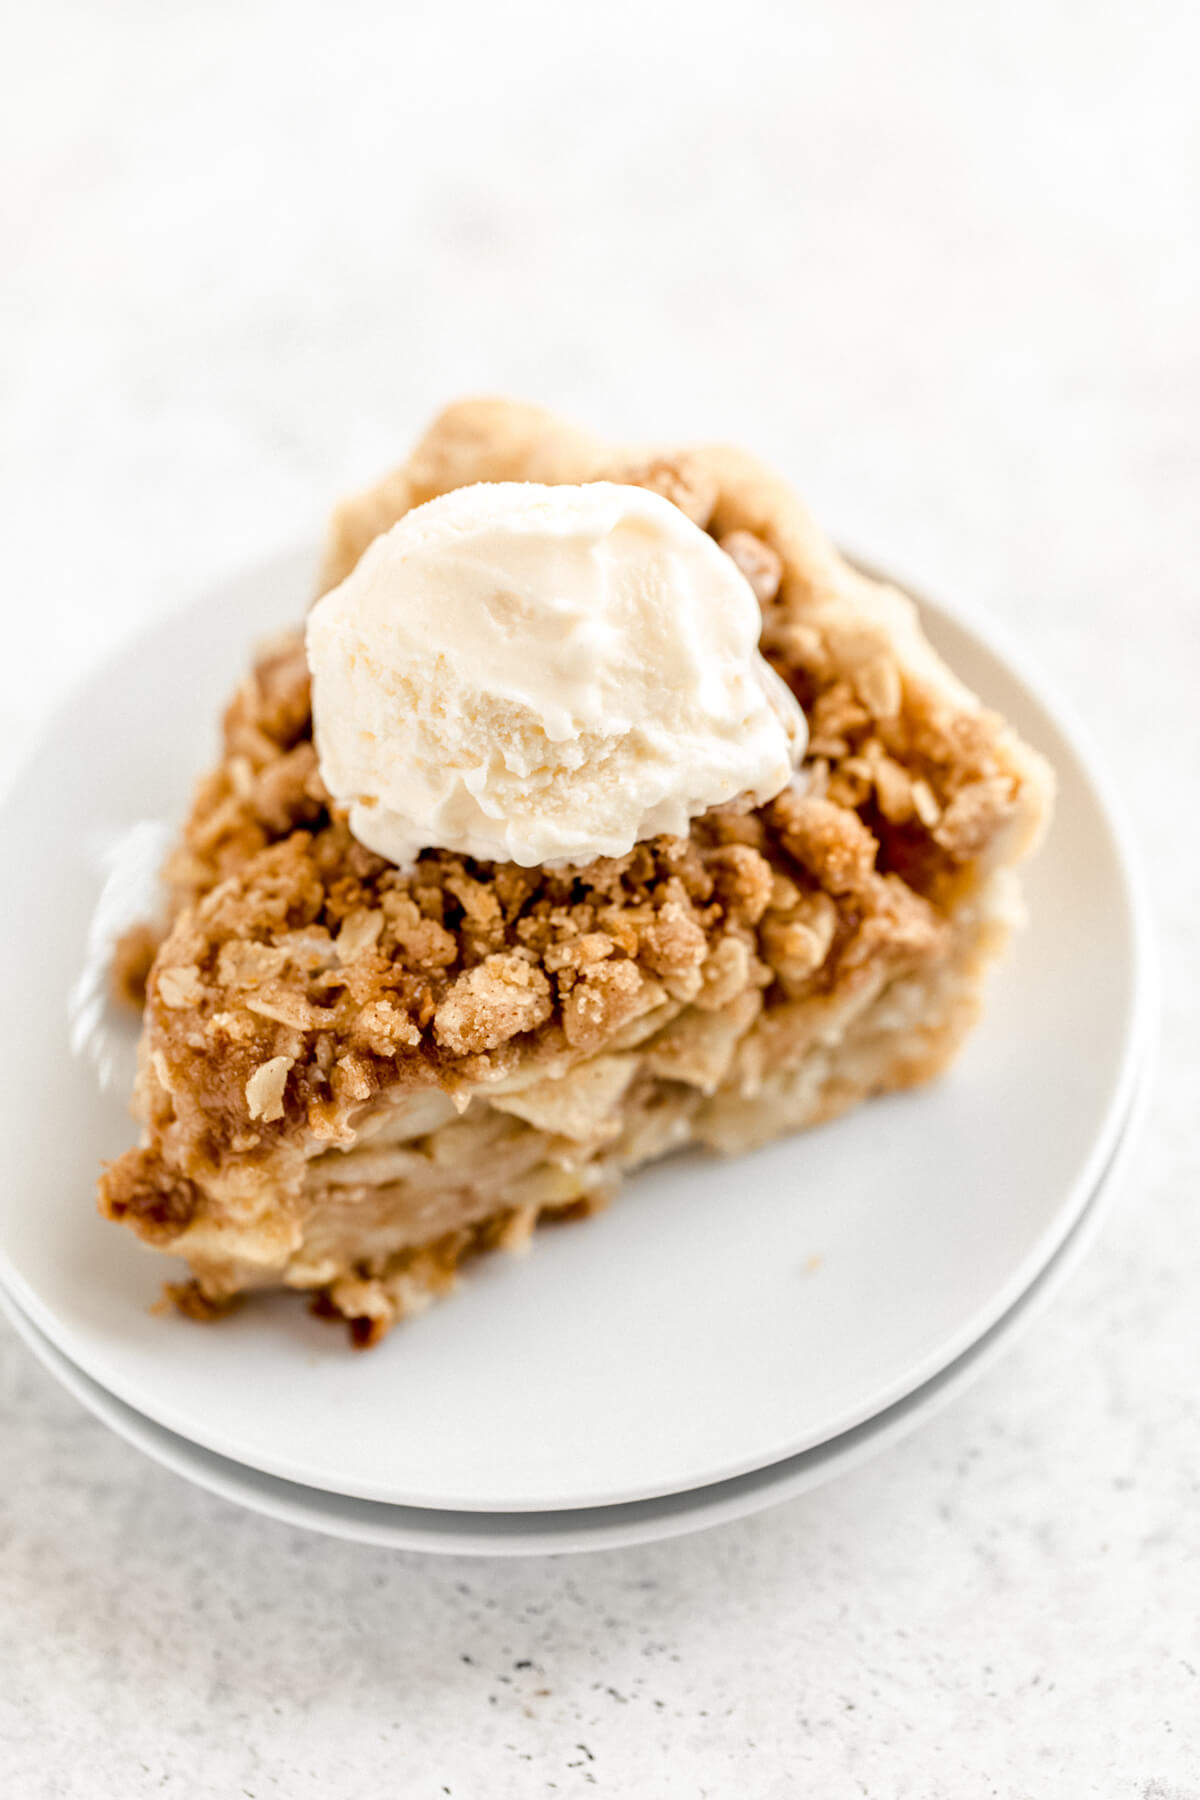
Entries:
{"x":362,"y":1065}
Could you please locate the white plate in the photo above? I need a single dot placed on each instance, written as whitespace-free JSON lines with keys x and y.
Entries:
{"x":531,"y":1533}
{"x":720,"y":1318}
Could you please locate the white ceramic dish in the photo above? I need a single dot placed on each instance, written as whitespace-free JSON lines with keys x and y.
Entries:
{"x":439,"y":1532}
{"x":720,"y":1318}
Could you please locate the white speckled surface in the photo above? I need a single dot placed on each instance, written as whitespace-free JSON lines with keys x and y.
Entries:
{"x":945,"y":269}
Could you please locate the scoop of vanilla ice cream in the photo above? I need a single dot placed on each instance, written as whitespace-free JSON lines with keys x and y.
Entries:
{"x":540,"y":674}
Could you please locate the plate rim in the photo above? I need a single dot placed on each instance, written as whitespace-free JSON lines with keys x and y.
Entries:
{"x":996,"y":643}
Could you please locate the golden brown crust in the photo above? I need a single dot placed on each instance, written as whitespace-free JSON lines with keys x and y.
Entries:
{"x":143,"y":1189}
{"x":305,"y":980}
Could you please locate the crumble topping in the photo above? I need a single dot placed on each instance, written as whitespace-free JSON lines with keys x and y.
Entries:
{"x":504,"y":995}
{"x":133,"y":958}
{"x":681,"y":478}
{"x":762,"y":566}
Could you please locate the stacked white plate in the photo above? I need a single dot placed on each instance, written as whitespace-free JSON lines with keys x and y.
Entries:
{"x":725,"y":1336}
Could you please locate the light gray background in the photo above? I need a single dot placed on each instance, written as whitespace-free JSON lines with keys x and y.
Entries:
{"x":942,"y":264}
